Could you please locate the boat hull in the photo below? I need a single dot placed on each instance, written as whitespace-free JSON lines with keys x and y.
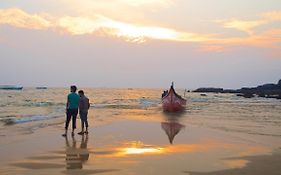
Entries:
{"x":5,"y":87}
{"x":172,"y":102}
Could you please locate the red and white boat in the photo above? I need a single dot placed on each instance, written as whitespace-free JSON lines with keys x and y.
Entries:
{"x":172,"y":102}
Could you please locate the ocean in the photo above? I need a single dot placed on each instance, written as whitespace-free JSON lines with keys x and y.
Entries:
{"x":130,"y":134}
{"x":31,"y":109}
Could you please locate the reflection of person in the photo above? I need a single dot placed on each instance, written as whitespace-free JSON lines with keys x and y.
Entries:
{"x":71,"y":109}
{"x":84,"y":153}
{"x":72,"y":157}
{"x":84,"y":106}
{"x":75,"y":157}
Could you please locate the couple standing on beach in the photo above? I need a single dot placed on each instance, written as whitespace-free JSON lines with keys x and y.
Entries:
{"x":74,"y":103}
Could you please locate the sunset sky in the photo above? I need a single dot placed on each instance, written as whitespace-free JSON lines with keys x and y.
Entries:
{"x":140,"y":43}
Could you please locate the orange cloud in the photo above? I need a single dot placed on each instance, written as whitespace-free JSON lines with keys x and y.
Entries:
{"x":248,"y":26}
{"x":136,"y":32}
{"x":272,"y":16}
{"x":87,"y":25}
{"x":78,"y":25}
{"x":18,"y":18}
{"x":130,"y":32}
{"x":267,"y":39}
{"x":147,"y":2}
{"x":243,"y":25}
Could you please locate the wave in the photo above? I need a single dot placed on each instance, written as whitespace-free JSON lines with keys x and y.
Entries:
{"x":137,"y":104}
{"x":17,"y":120}
{"x":43,"y":104}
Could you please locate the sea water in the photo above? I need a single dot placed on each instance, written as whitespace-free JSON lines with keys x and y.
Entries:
{"x":33,"y":109}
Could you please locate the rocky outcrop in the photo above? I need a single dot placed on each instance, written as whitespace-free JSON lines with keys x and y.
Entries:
{"x":266,"y":90}
{"x":215,"y":90}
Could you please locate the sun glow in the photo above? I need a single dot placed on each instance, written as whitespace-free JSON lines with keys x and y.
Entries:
{"x":143,"y":150}
{"x":139,"y":148}
{"x":139,"y":32}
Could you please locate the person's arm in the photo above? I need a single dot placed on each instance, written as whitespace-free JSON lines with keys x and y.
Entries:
{"x":88,"y":104}
{"x":80,"y":104}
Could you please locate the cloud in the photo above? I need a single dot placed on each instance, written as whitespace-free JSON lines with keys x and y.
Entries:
{"x":267,"y":39}
{"x":272,"y":16}
{"x":249,"y":26}
{"x":243,"y":25}
{"x":77,"y":25}
{"x":136,"y":32}
{"x":129,"y":10}
{"x":18,"y":18}
{"x":97,"y":24}
{"x":129,"y":32}
{"x":138,"y":3}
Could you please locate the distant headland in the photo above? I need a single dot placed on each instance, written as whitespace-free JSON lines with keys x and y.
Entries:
{"x":266,"y":90}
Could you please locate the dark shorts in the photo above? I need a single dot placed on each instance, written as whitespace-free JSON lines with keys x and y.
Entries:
{"x":84,"y":119}
{"x":83,"y":115}
{"x":72,"y":112}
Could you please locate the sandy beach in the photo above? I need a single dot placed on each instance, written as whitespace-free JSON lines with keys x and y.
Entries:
{"x":137,"y":147}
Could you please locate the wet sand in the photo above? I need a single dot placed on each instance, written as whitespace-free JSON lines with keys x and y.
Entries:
{"x":138,"y":147}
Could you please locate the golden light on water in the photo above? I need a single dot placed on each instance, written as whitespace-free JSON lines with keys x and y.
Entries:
{"x":236,"y":163}
{"x":139,"y":148}
{"x":143,"y":150}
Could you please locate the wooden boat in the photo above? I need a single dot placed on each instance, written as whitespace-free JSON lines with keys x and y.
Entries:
{"x":172,"y":102}
{"x":10,"y":87}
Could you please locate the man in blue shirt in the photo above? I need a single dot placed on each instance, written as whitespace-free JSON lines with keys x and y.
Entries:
{"x":71,"y":109}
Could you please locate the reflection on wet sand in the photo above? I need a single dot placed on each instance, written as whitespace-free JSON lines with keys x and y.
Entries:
{"x":75,"y":157}
{"x":172,"y":127}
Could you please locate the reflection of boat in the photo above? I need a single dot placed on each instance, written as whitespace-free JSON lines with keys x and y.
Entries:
{"x":10,"y":87}
{"x":172,"y":102}
{"x":171,"y":129}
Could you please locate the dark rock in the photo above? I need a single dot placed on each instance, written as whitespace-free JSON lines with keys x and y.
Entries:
{"x":266,"y":90}
{"x":261,"y":94}
{"x":231,"y":91}
{"x":248,"y":95}
{"x":216,"y":90}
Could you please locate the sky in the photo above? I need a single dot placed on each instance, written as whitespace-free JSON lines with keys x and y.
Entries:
{"x":140,"y":43}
